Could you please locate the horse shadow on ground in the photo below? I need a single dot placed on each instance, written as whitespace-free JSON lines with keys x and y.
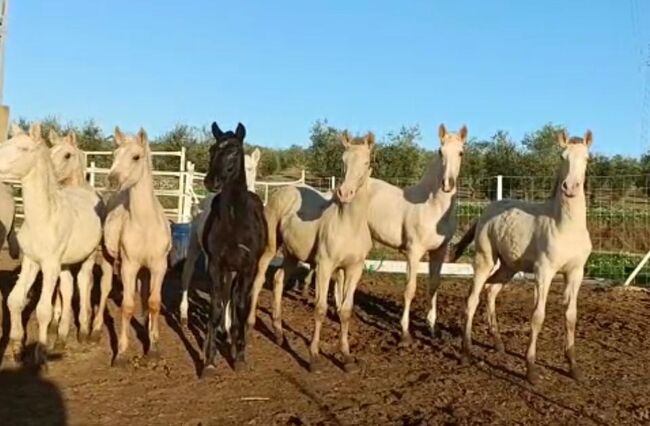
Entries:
{"x":28,"y":398}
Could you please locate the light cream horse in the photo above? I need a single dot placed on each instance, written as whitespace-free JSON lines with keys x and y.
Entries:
{"x":420,"y":218}
{"x":70,"y":170}
{"x":60,"y":229}
{"x":137,"y":233}
{"x":196,"y":234}
{"x":539,"y":238}
{"x":7,"y":216}
{"x":315,"y":229}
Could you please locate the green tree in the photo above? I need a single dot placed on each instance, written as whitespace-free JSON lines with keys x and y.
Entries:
{"x":325,"y":150}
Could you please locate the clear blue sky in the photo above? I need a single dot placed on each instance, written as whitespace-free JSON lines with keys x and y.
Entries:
{"x":278,"y":66}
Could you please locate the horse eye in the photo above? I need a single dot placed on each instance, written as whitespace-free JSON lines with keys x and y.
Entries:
{"x":136,"y":157}
{"x":461,"y":153}
{"x":67,"y":156}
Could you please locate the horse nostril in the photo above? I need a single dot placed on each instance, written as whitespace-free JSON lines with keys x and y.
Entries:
{"x":565,"y":186}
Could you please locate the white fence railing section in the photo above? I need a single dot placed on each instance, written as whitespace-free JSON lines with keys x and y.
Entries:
{"x":618,"y":211}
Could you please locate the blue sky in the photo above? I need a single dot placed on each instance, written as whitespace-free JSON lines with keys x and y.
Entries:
{"x":277,"y":66}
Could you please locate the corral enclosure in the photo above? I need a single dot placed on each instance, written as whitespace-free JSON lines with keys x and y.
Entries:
{"x":618,"y":208}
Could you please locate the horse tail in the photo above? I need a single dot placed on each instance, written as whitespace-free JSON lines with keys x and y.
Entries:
{"x":458,"y":248}
{"x":12,"y":241}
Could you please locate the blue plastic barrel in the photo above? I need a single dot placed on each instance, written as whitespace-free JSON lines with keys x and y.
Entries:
{"x":180,"y":242}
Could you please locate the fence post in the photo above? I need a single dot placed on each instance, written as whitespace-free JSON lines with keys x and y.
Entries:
{"x":302,"y":176}
{"x":187,"y":192}
{"x":92,"y":174}
{"x":266,"y":193}
{"x":181,"y":188}
{"x":332,"y":183}
{"x":499,"y":187}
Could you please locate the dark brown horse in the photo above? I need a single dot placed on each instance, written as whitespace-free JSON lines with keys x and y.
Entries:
{"x":234,"y":238}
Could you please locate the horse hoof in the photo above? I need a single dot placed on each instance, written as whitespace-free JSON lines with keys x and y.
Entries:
{"x":153,"y":352}
{"x":498,"y":346}
{"x":59,"y":344}
{"x":209,"y":371}
{"x":350,"y":365}
{"x":83,"y":338}
{"x":406,"y":340}
{"x":240,"y":366}
{"x":17,"y":350}
{"x":53,"y":329}
{"x":533,"y":374}
{"x":96,"y":336}
{"x":576,"y":374}
{"x":184,"y":322}
{"x":279,"y":337}
{"x":315,"y":365}
{"x":120,"y":361}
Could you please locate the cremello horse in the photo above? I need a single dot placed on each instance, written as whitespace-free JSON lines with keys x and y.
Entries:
{"x":420,"y":218}
{"x":70,"y":170}
{"x":540,"y":238}
{"x":196,"y":232}
{"x":60,"y":229}
{"x":136,"y":232}
{"x":7,"y":216}
{"x":314,"y":229}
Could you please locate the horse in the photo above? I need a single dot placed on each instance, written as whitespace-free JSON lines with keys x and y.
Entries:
{"x":234,"y":238}
{"x":540,"y":238}
{"x":60,"y":229}
{"x":7,"y":221}
{"x":137,"y":233}
{"x":198,"y":225}
{"x":69,"y":163}
{"x":315,"y":229}
{"x":420,"y":219}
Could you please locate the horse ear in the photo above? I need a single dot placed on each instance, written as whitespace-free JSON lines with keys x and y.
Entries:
{"x":256,"y":155}
{"x":35,"y":132}
{"x":370,"y":140}
{"x":562,"y":138}
{"x":344,"y":138}
{"x":119,"y":136}
{"x":589,"y":138}
{"x":216,"y":131}
{"x":143,"y":138}
{"x":72,"y":137}
{"x":442,"y":132}
{"x":463,"y":133}
{"x":240,"y":132}
{"x":15,"y":129}
{"x":53,"y":136}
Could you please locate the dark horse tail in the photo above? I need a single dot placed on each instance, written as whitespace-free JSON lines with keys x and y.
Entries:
{"x":457,"y":250}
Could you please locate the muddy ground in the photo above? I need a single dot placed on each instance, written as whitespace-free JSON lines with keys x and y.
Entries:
{"x":421,"y":384}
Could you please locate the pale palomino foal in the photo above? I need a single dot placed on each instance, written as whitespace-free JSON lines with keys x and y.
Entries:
{"x":420,"y":218}
{"x":540,"y":238}
{"x":332,"y":233}
{"x":137,"y":233}
{"x":69,"y":163}
{"x":60,"y":229}
{"x":196,"y":234}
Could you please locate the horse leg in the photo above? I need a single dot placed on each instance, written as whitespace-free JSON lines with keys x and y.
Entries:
{"x":483,"y":265}
{"x":323,"y":275}
{"x":154,"y":303}
{"x":307,"y":283}
{"x":193,"y":253}
{"x":339,"y":288}
{"x":84,"y":281}
{"x":258,"y":283}
{"x":56,"y":314}
{"x":51,"y":271}
{"x":216,"y":312}
{"x":543,"y":276}
{"x":241,"y":307}
{"x":352,"y":275}
{"x":106,"y":284}
{"x":128,"y":271}
{"x":436,"y":259}
{"x":16,"y":302}
{"x":573,"y":280}
{"x":413,"y":257}
{"x":494,"y":285}
{"x":282,"y":275}
{"x":64,"y":294}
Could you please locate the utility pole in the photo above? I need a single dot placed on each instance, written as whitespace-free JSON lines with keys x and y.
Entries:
{"x":4,"y":109}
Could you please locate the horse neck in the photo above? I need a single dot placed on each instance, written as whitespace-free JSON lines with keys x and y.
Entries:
{"x":234,"y":195}
{"x":141,"y":197}
{"x":356,"y":211}
{"x":430,"y":184}
{"x":569,"y":212}
{"x":40,"y":190}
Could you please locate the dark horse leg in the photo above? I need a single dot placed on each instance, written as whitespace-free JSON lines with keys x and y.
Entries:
{"x":210,"y":348}
{"x":241,"y":299}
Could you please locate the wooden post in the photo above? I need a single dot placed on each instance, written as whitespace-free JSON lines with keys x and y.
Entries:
{"x":4,"y":122}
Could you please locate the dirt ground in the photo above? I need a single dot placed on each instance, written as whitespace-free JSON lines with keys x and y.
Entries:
{"x":421,"y":384}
